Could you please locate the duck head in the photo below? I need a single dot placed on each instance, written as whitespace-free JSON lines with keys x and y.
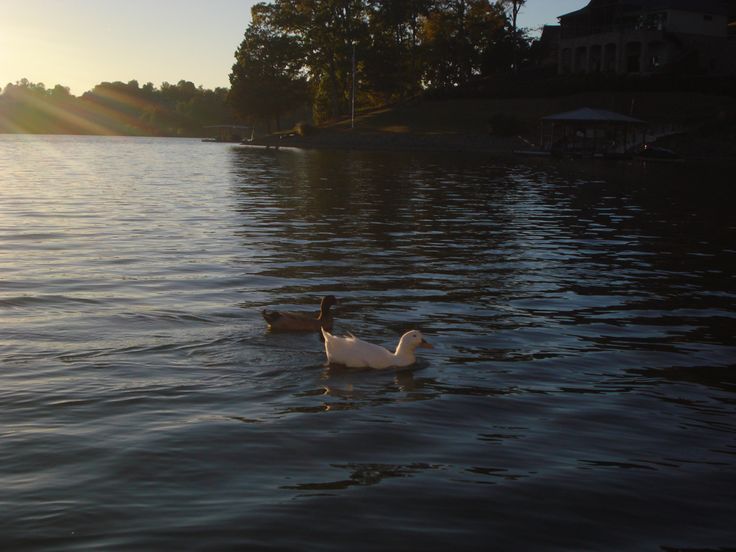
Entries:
{"x":411,"y":340}
{"x":327,"y":302}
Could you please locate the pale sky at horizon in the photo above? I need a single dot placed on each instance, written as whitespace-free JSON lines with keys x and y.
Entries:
{"x":80,"y":43}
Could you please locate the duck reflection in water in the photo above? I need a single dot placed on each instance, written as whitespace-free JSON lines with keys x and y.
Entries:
{"x":345,"y":389}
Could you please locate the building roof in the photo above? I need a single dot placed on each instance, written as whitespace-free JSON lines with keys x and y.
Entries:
{"x":589,"y":115}
{"x":720,"y":7}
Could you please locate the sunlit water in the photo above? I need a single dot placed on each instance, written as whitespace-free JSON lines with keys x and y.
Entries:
{"x":581,"y":394}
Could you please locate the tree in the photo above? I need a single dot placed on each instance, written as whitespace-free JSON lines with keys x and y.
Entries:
{"x":325,"y":31}
{"x":207,"y":105}
{"x":392,"y":58}
{"x":512,"y":9}
{"x":112,"y":108}
{"x":456,"y":37}
{"x":60,"y":93}
{"x":267,"y":78}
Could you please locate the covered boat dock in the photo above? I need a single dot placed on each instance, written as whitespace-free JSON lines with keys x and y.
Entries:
{"x":591,"y":133}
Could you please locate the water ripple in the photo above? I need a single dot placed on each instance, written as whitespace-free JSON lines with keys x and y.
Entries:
{"x":581,"y":381}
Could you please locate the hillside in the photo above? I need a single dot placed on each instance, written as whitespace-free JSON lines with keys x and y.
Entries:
{"x":501,"y":124}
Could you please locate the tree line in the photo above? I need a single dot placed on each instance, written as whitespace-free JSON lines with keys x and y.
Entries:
{"x":298,"y":52}
{"x":114,"y":108}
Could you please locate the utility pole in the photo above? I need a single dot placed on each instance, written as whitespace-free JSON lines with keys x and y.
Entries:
{"x":352,"y":108}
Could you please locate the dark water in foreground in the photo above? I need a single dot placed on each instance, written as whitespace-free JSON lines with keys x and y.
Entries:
{"x":581,"y":394}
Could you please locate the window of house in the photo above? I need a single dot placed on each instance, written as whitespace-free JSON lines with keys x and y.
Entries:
{"x":652,"y":21}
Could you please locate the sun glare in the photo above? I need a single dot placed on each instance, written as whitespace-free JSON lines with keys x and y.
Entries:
{"x":27,"y":53}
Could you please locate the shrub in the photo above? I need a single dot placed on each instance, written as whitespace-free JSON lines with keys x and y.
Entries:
{"x":304,"y":129}
{"x":504,"y":124}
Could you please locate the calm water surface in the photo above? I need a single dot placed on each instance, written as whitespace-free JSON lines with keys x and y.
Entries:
{"x":581,"y":394}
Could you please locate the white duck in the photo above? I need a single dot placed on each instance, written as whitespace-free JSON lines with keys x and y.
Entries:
{"x":356,"y":353}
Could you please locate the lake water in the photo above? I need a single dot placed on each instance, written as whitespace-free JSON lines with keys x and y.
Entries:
{"x":581,"y":394}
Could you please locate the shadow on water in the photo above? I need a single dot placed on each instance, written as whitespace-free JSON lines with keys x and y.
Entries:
{"x":511,"y":266}
{"x":470,"y":249}
{"x":368,"y":474}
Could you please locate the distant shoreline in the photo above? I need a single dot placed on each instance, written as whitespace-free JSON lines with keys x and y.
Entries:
{"x":692,"y":146}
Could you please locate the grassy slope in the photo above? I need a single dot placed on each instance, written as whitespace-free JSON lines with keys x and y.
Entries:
{"x":472,"y":115}
{"x":706,"y":123}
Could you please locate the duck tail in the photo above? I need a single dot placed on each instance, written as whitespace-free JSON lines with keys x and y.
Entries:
{"x":270,"y":316}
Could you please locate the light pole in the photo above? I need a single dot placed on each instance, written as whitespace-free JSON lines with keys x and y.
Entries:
{"x":352,"y":107}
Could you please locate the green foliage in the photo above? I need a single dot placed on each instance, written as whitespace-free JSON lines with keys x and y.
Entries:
{"x":401,"y":49}
{"x":392,"y":61}
{"x":304,"y":129}
{"x":457,"y":35}
{"x":267,"y":79}
{"x":180,"y":109}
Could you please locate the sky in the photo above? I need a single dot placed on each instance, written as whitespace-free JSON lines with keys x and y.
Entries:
{"x":80,"y":43}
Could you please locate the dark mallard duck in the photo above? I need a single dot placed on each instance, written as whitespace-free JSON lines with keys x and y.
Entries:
{"x":282,"y":321}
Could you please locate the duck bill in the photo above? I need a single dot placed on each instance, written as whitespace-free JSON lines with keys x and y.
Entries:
{"x":426,"y":345}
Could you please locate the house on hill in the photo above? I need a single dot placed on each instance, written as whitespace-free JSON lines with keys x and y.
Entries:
{"x":648,"y":37}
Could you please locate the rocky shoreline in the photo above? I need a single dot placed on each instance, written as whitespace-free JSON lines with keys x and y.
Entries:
{"x":390,"y":141}
{"x":689,"y":146}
